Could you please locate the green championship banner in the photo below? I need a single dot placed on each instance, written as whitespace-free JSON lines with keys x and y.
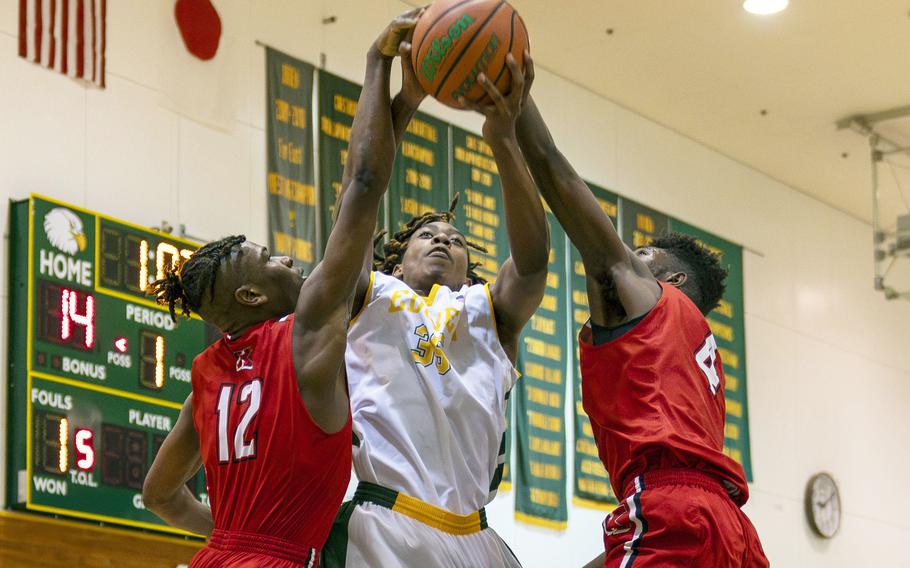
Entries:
{"x":639,"y":224}
{"x":337,"y":106}
{"x":592,"y":483}
{"x":420,"y":179}
{"x":480,"y":217}
{"x":540,"y":398}
{"x":291,"y":179}
{"x":727,"y":323}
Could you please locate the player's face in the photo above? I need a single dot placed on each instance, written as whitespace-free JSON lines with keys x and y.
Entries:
{"x":437,"y":253}
{"x":275,"y":277}
{"x":657,"y":260}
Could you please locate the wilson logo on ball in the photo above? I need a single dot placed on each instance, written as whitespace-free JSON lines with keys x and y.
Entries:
{"x":441,"y":47}
{"x":479,"y":67}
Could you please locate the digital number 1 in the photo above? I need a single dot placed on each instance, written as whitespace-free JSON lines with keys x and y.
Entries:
{"x":151,"y":356}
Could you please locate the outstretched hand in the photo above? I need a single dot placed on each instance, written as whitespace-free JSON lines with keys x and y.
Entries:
{"x":399,"y":29}
{"x":504,"y":110}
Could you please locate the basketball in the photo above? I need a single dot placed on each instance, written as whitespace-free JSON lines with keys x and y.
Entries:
{"x":456,"y":40}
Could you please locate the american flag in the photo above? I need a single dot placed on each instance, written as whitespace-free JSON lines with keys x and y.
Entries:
{"x":69,"y":36}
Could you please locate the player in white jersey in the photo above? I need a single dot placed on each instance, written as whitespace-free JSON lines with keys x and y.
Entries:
{"x":430,"y":365}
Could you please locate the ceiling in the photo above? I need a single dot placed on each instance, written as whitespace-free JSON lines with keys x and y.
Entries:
{"x":763,"y":90}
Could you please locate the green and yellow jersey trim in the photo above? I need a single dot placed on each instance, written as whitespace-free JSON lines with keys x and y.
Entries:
{"x":430,"y":515}
{"x":367,"y":297}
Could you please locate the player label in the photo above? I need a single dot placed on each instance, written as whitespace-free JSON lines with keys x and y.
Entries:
{"x":150,"y":420}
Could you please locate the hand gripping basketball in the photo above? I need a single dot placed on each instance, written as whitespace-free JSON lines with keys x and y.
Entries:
{"x":389,"y":42}
{"x":504,"y":110}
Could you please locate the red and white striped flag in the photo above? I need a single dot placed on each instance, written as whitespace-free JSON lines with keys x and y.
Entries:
{"x":69,"y":36}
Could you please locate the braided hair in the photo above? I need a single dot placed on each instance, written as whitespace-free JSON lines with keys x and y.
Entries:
{"x":393,"y":251}
{"x":182,"y":288}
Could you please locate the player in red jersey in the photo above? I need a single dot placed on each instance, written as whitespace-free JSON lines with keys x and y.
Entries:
{"x":269,"y":415}
{"x":652,"y":382}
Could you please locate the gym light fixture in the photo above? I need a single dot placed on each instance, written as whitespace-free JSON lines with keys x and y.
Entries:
{"x":765,"y":7}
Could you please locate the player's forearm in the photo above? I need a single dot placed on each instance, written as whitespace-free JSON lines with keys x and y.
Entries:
{"x":184,"y":511}
{"x":533,"y":135}
{"x":402,"y":113}
{"x":568,"y":196}
{"x":526,"y":222}
{"x":372,"y":145}
{"x":370,"y":158}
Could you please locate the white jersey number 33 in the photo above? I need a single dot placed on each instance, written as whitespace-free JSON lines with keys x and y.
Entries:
{"x":429,"y":350}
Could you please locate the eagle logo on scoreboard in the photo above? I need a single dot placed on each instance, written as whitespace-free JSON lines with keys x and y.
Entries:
{"x":64,"y":230}
{"x":244,"y":359}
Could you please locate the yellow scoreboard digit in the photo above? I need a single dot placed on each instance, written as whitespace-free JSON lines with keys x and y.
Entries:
{"x":98,"y":372}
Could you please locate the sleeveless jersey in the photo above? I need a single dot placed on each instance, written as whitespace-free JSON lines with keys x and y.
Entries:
{"x":655,"y":397}
{"x":270,"y":470}
{"x":428,"y":379}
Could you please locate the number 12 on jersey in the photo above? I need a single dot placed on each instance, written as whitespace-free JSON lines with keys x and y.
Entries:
{"x":249,"y":395}
{"x":706,"y":357}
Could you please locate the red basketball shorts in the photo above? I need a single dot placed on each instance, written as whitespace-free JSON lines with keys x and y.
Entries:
{"x":675,"y":518}
{"x":247,"y":550}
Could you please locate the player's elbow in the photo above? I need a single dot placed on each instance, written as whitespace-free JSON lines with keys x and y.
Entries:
{"x":368,"y":179}
{"x":371,"y":168}
{"x":533,"y":273}
{"x":154,"y":496}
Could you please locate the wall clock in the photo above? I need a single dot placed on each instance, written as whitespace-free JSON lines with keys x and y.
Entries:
{"x":823,"y":506}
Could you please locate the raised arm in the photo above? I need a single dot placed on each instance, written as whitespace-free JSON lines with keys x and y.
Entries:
{"x":522,"y":279}
{"x":404,"y":106}
{"x":620,"y":287}
{"x":396,"y":40}
{"x":323,"y":308}
{"x":164,"y":491}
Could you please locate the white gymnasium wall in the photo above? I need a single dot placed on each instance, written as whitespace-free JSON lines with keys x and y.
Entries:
{"x":828,"y":368}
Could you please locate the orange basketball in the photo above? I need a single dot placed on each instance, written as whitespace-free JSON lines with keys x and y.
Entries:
{"x":456,"y":40}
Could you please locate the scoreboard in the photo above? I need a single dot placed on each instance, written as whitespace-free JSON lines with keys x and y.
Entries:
{"x":97,"y":371}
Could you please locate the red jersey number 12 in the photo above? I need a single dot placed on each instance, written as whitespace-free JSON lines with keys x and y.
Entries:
{"x":249,"y":395}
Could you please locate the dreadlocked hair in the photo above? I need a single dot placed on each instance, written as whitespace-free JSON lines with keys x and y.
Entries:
{"x":393,"y":251}
{"x":705,"y":284}
{"x":182,"y":287}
